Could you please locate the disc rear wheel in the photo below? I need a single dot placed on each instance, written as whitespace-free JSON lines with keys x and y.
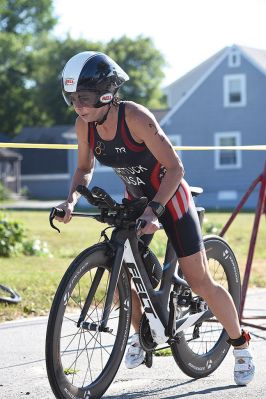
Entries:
{"x":202,"y":348}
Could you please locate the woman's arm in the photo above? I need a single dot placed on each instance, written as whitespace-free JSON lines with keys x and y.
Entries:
{"x":85,"y":165}
{"x":84,"y":171}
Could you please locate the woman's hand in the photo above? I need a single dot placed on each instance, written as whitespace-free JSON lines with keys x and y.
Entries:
{"x":152,"y":222}
{"x":68,"y":208}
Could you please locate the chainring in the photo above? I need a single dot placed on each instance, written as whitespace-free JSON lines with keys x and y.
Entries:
{"x":145,"y":336}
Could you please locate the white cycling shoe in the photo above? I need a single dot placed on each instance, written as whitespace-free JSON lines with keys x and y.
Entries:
{"x":244,"y":367}
{"x":135,"y":355}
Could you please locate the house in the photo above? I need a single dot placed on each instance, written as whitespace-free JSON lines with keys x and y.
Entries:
{"x":45,"y":173}
{"x":221,"y":102}
{"x":10,"y":162}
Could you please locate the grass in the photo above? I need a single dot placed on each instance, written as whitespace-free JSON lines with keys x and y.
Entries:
{"x":36,"y":278}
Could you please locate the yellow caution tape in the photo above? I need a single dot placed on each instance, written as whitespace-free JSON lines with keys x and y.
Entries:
{"x":40,"y":146}
{"x":178,"y":148}
{"x":229,"y":147}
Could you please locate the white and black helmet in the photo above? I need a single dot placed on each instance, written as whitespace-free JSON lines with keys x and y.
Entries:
{"x":94,"y":76}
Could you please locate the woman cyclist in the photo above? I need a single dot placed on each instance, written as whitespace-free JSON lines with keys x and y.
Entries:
{"x":126,"y":136}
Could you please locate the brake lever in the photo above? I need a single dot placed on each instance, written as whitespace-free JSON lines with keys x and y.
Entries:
{"x":55,"y":212}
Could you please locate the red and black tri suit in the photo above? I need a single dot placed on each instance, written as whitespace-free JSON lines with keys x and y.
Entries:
{"x":142,"y":173}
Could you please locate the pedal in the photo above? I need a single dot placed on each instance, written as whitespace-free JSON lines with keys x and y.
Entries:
{"x":198,"y":305}
{"x":148,"y":359}
{"x":184,"y":298}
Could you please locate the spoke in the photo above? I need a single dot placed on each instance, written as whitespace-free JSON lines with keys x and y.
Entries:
{"x":85,"y":353}
{"x":75,"y":363}
{"x":79,"y":296}
{"x":88,"y":362}
{"x":103,"y":347}
{"x":74,"y":335}
{"x":74,"y":300}
{"x":68,"y":318}
{"x":71,"y":335}
{"x":101,"y":351}
{"x":81,"y":351}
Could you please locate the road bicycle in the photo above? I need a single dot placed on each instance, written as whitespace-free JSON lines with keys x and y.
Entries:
{"x":90,"y":317}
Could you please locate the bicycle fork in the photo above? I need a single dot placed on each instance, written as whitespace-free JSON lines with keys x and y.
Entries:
{"x":114,"y":275}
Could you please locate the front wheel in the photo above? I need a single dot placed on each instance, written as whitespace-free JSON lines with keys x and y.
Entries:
{"x":82,"y":363}
{"x":202,"y":348}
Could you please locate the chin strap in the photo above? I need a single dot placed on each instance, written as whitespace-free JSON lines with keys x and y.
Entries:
{"x":244,"y":337}
{"x":101,"y":121}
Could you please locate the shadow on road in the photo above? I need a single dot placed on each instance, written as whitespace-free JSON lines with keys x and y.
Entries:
{"x":156,"y":392}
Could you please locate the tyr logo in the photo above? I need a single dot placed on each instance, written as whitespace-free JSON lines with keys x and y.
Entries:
{"x":119,"y":150}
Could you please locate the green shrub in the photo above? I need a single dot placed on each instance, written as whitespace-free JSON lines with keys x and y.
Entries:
{"x":24,"y":192}
{"x":211,"y":228}
{"x":11,"y":237}
{"x":4,"y":193}
{"x":13,"y":240}
{"x":36,"y":247}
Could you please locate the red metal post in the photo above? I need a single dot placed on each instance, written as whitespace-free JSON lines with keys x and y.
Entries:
{"x":260,"y":209}
{"x":240,"y":205}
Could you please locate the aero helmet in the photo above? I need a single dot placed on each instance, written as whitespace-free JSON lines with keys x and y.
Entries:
{"x":94,"y":76}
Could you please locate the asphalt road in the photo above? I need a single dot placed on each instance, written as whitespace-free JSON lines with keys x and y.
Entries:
{"x":23,"y":373}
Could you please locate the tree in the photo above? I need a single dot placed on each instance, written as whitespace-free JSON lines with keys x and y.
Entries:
{"x":15,"y":99}
{"x":144,"y":64}
{"x":26,"y":16}
{"x":20,"y":21}
{"x":32,"y":61}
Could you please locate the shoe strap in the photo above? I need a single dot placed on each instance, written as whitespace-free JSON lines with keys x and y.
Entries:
{"x":243,"y":367}
{"x":242,"y":353}
{"x":134,"y":339}
{"x":134,"y":350}
{"x":244,"y":337}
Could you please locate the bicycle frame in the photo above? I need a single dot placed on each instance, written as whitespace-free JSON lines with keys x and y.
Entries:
{"x":159,"y":307}
{"x":85,"y":341}
{"x":154,"y":302}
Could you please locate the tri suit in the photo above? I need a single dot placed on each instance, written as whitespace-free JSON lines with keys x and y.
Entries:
{"x":142,"y":173}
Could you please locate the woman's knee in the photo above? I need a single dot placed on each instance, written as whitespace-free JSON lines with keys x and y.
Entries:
{"x":196,"y":272}
{"x":204,"y":287}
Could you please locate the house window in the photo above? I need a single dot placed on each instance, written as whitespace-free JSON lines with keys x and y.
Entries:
{"x":227,"y":195}
{"x":234,"y":59}
{"x":227,"y":159}
{"x":176,"y":142}
{"x":235,"y":91}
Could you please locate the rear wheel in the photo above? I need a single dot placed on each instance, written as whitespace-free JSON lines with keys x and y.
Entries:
{"x":82,"y":363}
{"x":202,"y":348}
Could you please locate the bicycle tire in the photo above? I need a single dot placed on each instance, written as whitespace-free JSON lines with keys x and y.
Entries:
{"x":200,"y":357}
{"x":12,"y":296}
{"x":103,"y":352}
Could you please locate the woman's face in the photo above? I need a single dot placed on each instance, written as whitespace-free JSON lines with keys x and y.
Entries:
{"x":90,"y":114}
{"x":84,"y":105}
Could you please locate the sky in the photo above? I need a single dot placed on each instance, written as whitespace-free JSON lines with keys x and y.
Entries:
{"x":186,"y":32}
